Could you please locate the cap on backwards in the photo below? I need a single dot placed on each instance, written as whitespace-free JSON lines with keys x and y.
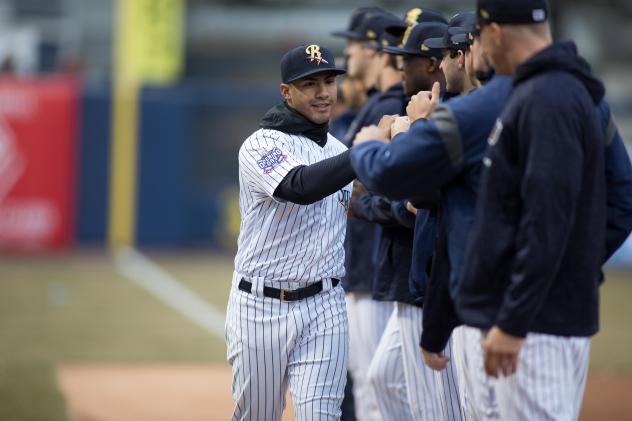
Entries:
{"x":511,"y":11}
{"x":415,"y":43}
{"x":306,"y":60}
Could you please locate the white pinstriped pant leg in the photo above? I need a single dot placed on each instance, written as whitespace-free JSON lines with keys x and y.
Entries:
{"x":258,"y":354}
{"x":317,"y":368}
{"x":272,"y":343}
{"x":405,"y":386}
{"x":478,"y":398}
{"x":367,"y":321}
{"x":459,"y":360}
{"x":448,"y":392}
{"x":549,"y":382}
{"x":386,"y":374}
{"x":421,"y":380}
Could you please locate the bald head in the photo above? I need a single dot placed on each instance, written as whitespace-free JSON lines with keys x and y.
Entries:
{"x":509,"y":45}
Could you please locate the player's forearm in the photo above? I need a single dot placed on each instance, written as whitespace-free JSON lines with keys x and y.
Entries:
{"x":307,"y":184}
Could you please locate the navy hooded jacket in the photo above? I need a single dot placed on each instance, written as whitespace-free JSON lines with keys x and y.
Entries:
{"x":394,"y":241}
{"x":537,"y":244}
{"x":361,"y":241}
{"x":445,"y":153}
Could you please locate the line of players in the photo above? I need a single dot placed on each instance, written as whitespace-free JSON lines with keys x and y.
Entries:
{"x":405,"y":247}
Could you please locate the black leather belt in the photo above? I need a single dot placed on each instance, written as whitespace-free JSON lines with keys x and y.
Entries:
{"x":289,"y":294}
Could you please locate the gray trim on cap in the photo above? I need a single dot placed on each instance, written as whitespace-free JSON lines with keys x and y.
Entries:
{"x":611,"y":130}
{"x":448,"y":128}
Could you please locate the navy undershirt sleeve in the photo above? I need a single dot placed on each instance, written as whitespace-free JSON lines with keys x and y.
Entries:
{"x":306,"y":184}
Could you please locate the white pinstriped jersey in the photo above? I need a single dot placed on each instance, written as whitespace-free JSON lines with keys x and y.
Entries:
{"x":285,"y":244}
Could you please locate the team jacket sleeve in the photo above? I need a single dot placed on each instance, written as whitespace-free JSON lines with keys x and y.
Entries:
{"x":420,"y":162}
{"x":550,"y":185}
{"x":265,"y":160}
{"x":618,"y":184}
{"x":439,"y":316}
{"x":415,"y":163}
{"x":380,"y":210}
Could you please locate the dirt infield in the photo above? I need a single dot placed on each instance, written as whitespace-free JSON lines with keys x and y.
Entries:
{"x":109,"y":392}
{"x":112,"y":392}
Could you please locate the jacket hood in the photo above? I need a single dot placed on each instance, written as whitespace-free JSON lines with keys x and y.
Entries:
{"x":285,"y":119}
{"x":561,"y":57}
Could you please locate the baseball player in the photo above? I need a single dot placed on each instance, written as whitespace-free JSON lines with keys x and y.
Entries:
{"x":367,"y":317}
{"x":286,"y":319}
{"x":405,"y":387}
{"x":445,"y":152}
{"x":534,"y":289}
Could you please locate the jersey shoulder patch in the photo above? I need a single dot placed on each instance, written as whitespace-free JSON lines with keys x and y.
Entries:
{"x":270,"y":159}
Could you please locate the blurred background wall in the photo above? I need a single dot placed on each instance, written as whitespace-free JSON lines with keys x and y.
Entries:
{"x":57,"y":59}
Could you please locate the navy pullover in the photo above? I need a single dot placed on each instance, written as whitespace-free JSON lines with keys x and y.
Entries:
{"x":537,"y":245}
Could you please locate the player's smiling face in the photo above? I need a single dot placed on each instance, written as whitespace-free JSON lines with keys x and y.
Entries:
{"x":313,"y":96}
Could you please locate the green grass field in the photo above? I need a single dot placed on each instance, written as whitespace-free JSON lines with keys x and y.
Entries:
{"x":77,"y":308}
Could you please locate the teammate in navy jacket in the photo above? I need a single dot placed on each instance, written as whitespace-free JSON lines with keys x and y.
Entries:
{"x":543,"y":195}
{"x":446,"y":152}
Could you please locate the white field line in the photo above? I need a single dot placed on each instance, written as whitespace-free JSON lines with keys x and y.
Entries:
{"x":139,"y":269}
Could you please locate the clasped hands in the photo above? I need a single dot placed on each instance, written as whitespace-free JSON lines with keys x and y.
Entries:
{"x":421,"y":106}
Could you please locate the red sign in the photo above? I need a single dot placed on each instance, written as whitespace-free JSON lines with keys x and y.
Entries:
{"x":38,"y":140}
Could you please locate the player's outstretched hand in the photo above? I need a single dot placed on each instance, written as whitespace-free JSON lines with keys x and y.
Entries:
{"x":423,"y":104}
{"x":500,"y":352}
{"x":385,"y":123}
{"x":400,"y":125}
{"x":435,"y":360}
{"x":370,"y":133}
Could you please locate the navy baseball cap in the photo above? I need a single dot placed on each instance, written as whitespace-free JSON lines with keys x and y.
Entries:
{"x":512,"y":11}
{"x":374,"y":29}
{"x":356,"y":18}
{"x":415,"y":41}
{"x":306,"y":60}
{"x":414,"y":16}
{"x":466,"y":38}
{"x":458,"y":24}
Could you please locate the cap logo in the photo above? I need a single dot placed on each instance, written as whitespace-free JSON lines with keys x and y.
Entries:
{"x":407,"y":33}
{"x":539,"y":15}
{"x":424,"y":47}
{"x":484,"y":14}
{"x":470,"y":36}
{"x":370,"y":34}
{"x":413,"y":15}
{"x":384,"y":43}
{"x":314,"y":54}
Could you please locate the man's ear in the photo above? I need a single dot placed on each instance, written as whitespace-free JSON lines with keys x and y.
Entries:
{"x":461,"y":61}
{"x":284,"y":88}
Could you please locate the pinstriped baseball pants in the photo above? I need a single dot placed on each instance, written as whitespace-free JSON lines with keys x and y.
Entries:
{"x":272,"y":344}
{"x":367,"y":321}
{"x":549,"y":382}
{"x":406,"y":388}
{"x":478,"y":397}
